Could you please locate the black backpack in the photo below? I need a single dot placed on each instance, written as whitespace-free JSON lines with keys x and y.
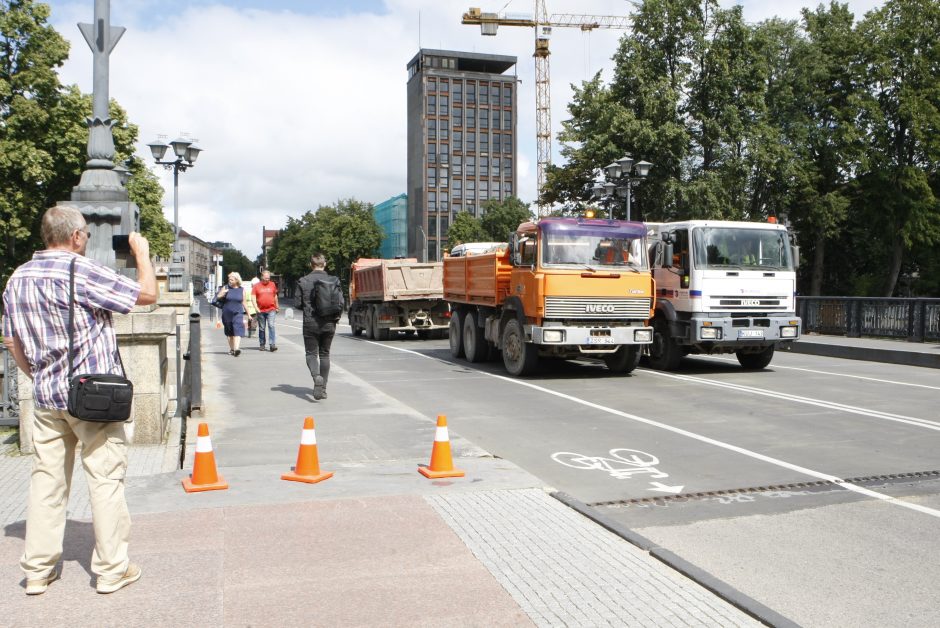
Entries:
{"x":326,"y":297}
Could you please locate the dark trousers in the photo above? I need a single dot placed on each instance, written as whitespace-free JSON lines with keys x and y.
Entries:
{"x":317,"y":353}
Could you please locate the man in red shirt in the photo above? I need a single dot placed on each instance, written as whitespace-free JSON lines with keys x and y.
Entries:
{"x":264,"y":296}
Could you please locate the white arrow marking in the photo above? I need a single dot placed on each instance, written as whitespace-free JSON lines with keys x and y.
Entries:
{"x":659,"y":486}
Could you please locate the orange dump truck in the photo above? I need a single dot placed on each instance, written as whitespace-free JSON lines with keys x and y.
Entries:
{"x":387,"y":296}
{"x":565,"y":287}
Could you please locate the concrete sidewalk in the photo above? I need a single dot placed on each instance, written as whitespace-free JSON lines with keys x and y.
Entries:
{"x":926,"y":354}
{"x":378,"y":544}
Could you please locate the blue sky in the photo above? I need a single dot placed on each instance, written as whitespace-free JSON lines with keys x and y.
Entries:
{"x":300,"y":103}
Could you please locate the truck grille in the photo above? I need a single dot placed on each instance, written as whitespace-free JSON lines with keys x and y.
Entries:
{"x":597,"y":309}
{"x":736,"y":302}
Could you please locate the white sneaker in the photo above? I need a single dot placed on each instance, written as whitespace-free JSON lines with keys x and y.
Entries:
{"x":130,"y":576}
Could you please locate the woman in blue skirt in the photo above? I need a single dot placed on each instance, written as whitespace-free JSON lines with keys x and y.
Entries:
{"x":232,"y":297}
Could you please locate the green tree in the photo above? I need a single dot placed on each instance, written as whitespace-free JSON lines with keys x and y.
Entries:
{"x":343,"y":232}
{"x":502,"y":218}
{"x":236,"y":261}
{"x":465,"y":228}
{"x":897,"y":188}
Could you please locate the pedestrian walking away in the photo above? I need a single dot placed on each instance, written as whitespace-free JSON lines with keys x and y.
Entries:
{"x":251,"y":311}
{"x":35,"y":331}
{"x":264,"y":298}
{"x":321,"y":301}
{"x":231,"y":298}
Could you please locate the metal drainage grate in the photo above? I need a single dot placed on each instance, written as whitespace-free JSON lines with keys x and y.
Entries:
{"x":870,"y":479}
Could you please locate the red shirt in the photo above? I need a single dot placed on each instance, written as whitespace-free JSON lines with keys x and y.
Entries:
{"x":265,"y":296}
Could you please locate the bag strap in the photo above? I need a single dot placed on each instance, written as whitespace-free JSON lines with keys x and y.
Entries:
{"x":72,"y":325}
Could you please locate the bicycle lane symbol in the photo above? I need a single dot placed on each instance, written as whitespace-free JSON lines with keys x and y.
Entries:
{"x":622,"y":464}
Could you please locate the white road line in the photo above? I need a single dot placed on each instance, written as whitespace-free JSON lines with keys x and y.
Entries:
{"x":797,"y":368}
{"x":699,"y":437}
{"x":831,"y":405}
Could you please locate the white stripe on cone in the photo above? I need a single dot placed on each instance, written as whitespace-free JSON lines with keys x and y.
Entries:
{"x":440,"y":435}
{"x":203,"y":445}
{"x":308,"y":437}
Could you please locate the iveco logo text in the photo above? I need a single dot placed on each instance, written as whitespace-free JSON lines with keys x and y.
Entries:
{"x":750,"y":301}
{"x":603,"y":308}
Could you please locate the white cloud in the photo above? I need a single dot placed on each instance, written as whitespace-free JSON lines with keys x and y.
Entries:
{"x":294,"y":111}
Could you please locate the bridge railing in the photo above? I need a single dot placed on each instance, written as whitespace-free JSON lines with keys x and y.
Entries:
{"x":916,"y":320}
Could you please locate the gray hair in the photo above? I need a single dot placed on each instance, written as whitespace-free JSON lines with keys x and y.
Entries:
{"x":59,"y":223}
{"x":318,"y":261}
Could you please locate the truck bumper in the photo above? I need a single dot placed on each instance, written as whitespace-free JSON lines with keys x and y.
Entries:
{"x":599,"y":337}
{"x":744,"y":331}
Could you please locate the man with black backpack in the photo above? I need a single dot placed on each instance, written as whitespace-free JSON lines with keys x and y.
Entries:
{"x":321,"y":301}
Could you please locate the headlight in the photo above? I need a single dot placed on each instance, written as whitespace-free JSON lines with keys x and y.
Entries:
{"x":553,"y":335}
{"x":711,"y":333}
{"x":643,"y":335}
{"x":788,"y":332}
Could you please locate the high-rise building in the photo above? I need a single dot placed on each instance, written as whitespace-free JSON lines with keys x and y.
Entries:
{"x":392,"y":216}
{"x":461,"y":141}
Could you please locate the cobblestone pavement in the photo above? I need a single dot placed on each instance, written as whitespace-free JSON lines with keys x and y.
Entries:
{"x":564,"y":570}
{"x":142,"y":460}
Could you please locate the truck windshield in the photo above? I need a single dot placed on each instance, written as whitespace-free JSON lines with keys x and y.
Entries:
{"x":616,"y":250}
{"x":737,"y":248}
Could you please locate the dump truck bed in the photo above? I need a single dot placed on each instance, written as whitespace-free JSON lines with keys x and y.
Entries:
{"x":397,"y":280}
{"x":477,"y":279}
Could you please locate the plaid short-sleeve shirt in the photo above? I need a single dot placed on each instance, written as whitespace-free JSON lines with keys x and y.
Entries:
{"x":36,"y":310}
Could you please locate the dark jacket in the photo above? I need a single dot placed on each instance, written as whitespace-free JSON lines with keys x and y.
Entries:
{"x":313,"y":324}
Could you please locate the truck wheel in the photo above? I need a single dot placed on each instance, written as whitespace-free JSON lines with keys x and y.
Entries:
{"x":475,"y":346}
{"x":455,"y":334}
{"x":377,"y":332}
{"x":519,"y":357}
{"x":625,"y":360}
{"x":665,"y":354}
{"x":367,"y":315}
{"x":756,"y":360}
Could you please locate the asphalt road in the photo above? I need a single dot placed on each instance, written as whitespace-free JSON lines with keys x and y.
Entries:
{"x":778,"y":482}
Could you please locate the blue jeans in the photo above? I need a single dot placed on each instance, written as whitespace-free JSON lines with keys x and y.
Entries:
{"x":266,"y":325}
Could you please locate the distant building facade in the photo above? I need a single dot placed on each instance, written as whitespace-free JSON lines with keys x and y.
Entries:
{"x":461,"y":141}
{"x":196,"y":257}
{"x":392,"y":216}
{"x":267,"y":240}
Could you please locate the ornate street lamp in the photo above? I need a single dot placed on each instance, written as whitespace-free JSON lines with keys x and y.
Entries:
{"x":620,"y":175}
{"x":186,"y":153}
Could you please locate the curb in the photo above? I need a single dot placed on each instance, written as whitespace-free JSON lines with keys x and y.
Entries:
{"x":722,"y":589}
{"x":887,"y":356}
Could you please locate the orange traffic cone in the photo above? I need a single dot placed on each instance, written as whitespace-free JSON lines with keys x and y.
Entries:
{"x":442,"y":466}
{"x":308,"y":461}
{"x":204,"y":476}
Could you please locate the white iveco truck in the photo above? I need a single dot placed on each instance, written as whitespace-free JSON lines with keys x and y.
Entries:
{"x":722,"y":287}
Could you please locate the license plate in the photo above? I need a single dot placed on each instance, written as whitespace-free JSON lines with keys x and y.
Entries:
{"x":751,"y":333}
{"x":600,"y":340}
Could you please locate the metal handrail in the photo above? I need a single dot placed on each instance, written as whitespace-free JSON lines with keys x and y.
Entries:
{"x":913,"y":319}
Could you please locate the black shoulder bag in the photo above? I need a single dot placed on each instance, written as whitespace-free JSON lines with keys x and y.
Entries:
{"x":102,"y":398}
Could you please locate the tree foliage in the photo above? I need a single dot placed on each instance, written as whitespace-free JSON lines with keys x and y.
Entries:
{"x":502,"y":218}
{"x":343,"y":232}
{"x":828,"y":122}
{"x":236,"y":261}
{"x":465,"y":228}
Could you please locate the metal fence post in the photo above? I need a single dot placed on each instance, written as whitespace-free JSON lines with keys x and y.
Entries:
{"x":195,"y":359}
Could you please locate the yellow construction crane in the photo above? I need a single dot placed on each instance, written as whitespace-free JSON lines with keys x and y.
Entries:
{"x":543,"y":25}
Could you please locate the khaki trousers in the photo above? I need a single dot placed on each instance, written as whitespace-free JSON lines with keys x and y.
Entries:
{"x":104,"y":457}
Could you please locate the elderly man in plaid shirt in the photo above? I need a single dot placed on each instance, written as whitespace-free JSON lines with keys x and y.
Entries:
{"x":35,"y":330}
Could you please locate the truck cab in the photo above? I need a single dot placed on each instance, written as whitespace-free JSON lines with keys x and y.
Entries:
{"x":722,"y":287}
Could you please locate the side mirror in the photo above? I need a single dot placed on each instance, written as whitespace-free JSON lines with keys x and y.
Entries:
{"x":515,"y":255}
{"x":667,"y":253}
{"x":668,"y":237}
{"x":795,"y":252}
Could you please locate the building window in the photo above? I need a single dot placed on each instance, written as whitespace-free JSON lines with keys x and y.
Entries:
{"x":456,"y":189}
{"x":457,"y":116}
{"x":484,"y":94}
{"x":457,"y":164}
{"x":432,"y":250}
{"x":458,"y":92}
{"x":444,"y":154}
{"x":472,"y":142}
{"x":432,"y":226}
{"x":432,"y":177}
{"x":507,"y":120}
{"x":445,"y":102}
{"x":496,"y":119}
{"x":432,"y":104}
{"x":443,"y":200}
{"x":494,"y":93}
{"x":484,"y":119}
{"x":432,"y":85}
{"x":445,"y":226}
{"x":471,"y":119}
{"x":432,"y":153}
{"x":507,"y":143}
{"x":432,"y":129}
{"x":445,"y":85}
{"x":458,"y":140}
{"x":507,"y":94}
{"x":471,"y":93}
{"x":496,"y":138}
{"x":471,"y":166}
{"x":484,"y":167}
{"x":507,"y":188}
{"x":432,"y":201}
{"x":484,"y":190}
{"x":445,"y":129}
{"x":507,"y":167}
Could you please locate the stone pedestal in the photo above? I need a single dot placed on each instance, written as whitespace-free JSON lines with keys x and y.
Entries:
{"x":142,"y":337}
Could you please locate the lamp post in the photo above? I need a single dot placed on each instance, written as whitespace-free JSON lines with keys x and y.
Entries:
{"x":621,"y":175}
{"x":424,"y":249}
{"x":186,"y":152}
